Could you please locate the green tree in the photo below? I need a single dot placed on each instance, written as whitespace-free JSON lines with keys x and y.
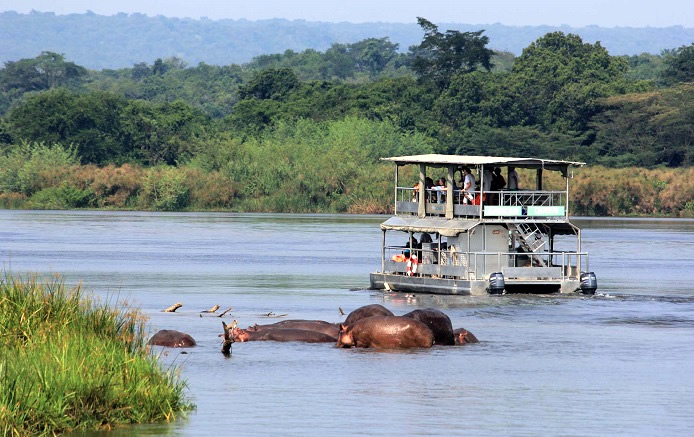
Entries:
{"x":46,"y":71}
{"x":442,"y":55}
{"x":679,"y":65}
{"x":559,"y":79}
{"x":89,"y":121}
{"x":273,"y":84}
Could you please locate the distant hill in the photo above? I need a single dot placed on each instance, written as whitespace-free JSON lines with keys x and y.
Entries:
{"x":98,"y":41}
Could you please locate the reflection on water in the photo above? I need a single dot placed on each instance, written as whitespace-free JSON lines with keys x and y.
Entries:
{"x":615,"y":363}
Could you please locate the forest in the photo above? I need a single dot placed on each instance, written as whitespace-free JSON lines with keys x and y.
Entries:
{"x":303,"y":131}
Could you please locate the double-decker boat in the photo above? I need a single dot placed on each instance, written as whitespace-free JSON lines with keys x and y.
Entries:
{"x":452,"y":239}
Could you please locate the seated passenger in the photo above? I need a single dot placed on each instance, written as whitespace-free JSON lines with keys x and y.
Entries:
{"x":402,"y":257}
{"x":440,"y":188}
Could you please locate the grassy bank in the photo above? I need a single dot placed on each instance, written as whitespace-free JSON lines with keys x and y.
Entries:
{"x":69,"y":363}
{"x":301,"y":167}
{"x":595,"y":191}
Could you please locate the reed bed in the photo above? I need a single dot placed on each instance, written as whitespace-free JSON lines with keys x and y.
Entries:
{"x":305,"y":168}
{"x":70,"y":363}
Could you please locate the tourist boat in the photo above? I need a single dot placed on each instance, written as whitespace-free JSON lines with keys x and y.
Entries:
{"x":445,"y":240}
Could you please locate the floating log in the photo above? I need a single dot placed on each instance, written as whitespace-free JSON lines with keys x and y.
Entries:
{"x":272,"y":315}
{"x":173,"y":308}
{"x":225,"y":311}
{"x":211,"y":310}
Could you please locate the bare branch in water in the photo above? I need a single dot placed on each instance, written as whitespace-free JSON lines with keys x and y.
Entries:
{"x":173,"y":308}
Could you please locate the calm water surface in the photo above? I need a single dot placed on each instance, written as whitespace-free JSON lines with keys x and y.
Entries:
{"x":619,"y":363}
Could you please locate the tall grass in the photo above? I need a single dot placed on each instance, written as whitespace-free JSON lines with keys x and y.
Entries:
{"x":69,"y":363}
{"x":304,"y":166}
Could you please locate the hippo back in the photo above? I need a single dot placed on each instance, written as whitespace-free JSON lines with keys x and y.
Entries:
{"x":438,"y":322}
{"x":171,"y":338}
{"x":367,"y":311}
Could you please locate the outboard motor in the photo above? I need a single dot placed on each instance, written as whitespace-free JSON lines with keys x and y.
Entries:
{"x":589,"y":283}
{"x":496,"y":283}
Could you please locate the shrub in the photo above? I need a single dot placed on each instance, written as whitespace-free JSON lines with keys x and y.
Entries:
{"x":165,"y":189}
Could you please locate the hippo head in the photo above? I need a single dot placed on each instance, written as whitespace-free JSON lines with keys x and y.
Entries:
{"x":465,"y":337}
{"x":345,"y":337}
{"x":239,"y":335}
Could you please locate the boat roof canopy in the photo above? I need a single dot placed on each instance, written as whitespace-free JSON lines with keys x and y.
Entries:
{"x":436,"y":160}
{"x":451,"y":228}
{"x":445,"y":227}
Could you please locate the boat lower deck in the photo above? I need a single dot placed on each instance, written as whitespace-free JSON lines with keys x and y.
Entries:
{"x":431,"y":285}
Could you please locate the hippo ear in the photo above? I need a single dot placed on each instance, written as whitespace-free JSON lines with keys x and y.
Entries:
{"x":343,"y":327}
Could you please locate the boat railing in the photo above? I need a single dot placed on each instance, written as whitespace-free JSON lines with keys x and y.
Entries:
{"x":560,"y":265}
{"x":495,"y":205}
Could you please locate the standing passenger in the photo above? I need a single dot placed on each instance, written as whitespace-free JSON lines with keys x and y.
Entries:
{"x":513,"y":179}
{"x":468,"y":186}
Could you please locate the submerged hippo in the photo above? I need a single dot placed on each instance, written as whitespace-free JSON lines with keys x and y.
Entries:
{"x":171,"y":338}
{"x":438,"y":322}
{"x":330,"y":329}
{"x":386,"y":332}
{"x":463,"y":336}
{"x":281,"y":334}
{"x":367,"y":311}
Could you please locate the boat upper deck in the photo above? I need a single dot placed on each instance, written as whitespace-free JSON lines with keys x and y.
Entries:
{"x":485,"y":202}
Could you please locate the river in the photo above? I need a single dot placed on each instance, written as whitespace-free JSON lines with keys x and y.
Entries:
{"x":618,"y":363}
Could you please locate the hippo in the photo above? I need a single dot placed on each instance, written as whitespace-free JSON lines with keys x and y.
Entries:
{"x":385,"y":332}
{"x":281,"y":334}
{"x":367,"y":311}
{"x":463,"y":336}
{"x":438,"y":322}
{"x":330,"y":329}
{"x":171,"y":338}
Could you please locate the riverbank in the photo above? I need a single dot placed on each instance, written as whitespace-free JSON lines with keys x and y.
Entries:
{"x":71,"y":363}
{"x":298,"y":180}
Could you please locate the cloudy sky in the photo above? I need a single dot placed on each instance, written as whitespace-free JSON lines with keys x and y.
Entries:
{"x":608,"y":13}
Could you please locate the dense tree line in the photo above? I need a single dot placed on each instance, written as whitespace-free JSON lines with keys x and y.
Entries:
{"x":561,"y":98}
{"x":304,"y":131}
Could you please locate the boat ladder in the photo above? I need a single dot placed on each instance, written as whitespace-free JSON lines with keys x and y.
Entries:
{"x":530,"y":238}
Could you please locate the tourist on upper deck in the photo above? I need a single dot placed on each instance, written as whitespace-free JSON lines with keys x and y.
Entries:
{"x":486,"y":181}
{"x":498,"y":181}
{"x":498,"y":184}
{"x":468,"y":186}
{"x":440,"y":188}
{"x":513,"y":179}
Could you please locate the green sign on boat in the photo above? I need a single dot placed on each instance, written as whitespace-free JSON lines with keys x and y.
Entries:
{"x":546,"y":211}
{"x":503,"y":210}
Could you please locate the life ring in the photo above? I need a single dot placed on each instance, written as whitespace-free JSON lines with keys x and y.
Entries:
{"x":412,"y":264}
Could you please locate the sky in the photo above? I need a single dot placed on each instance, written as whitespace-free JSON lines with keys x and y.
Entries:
{"x":576,"y":13}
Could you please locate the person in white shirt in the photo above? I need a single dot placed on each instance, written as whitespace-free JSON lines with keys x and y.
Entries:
{"x":487,"y":178}
{"x":468,"y":186}
{"x":513,"y":179}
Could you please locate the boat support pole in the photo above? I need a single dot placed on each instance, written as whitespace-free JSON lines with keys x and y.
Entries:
{"x":383,"y":253}
{"x":422,"y":210}
{"x":395,"y":212}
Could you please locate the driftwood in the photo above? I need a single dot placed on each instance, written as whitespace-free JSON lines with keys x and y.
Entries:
{"x":342,"y":313}
{"x":173,"y":308}
{"x":272,"y":315}
{"x":211,"y":310}
{"x":228,"y":339}
{"x":225,"y":311}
